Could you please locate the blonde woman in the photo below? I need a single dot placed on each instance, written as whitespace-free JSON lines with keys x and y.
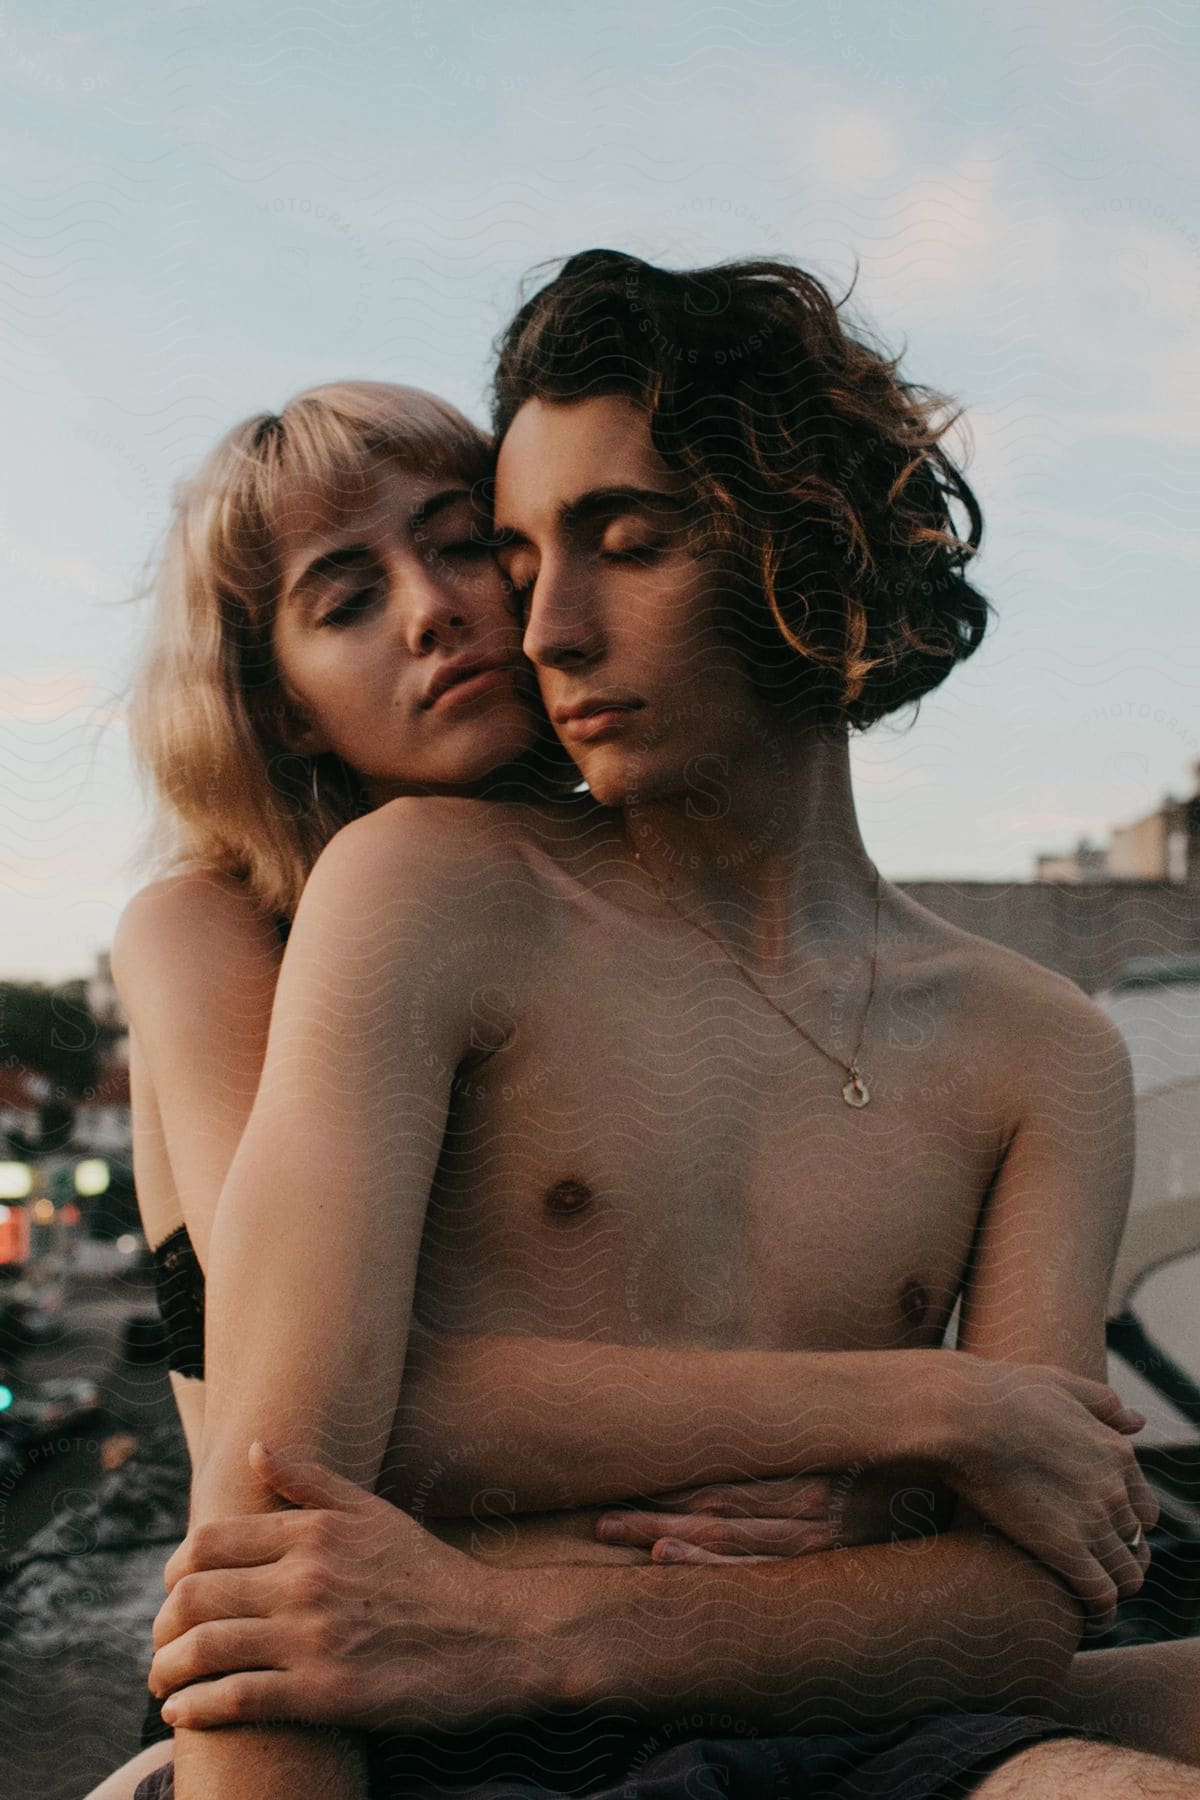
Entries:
{"x":330,"y":630}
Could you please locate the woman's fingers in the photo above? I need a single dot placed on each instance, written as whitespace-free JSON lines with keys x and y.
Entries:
{"x":234,"y":1700}
{"x":676,"y":1550}
{"x":215,"y":1594}
{"x":727,"y":1537}
{"x":305,"y":1482}
{"x":789,"y":1497}
{"x":214,"y":1649}
{"x":233,"y":1544}
{"x":806,"y":1503}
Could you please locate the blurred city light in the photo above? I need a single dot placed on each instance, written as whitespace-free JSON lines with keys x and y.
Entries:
{"x":91,"y":1176}
{"x":16,"y":1179}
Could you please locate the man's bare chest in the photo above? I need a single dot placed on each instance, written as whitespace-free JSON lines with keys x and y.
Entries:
{"x":645,"y":1151}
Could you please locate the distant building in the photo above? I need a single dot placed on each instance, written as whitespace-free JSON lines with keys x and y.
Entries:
{"x":103,"y":1124}
{"x":1088,"y":930}
{"x":1087,"y":862}
{"x":21,"y":1096}
{"x":104,"y":1004}
{"x":1163,"y":846}
{"x":103,"y":1121}
{"x":1157,"y":848}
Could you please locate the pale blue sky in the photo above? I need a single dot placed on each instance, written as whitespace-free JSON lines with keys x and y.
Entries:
{"x":206,"y":207}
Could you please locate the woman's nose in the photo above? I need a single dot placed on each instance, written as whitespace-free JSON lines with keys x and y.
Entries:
{"x":433,"y":614}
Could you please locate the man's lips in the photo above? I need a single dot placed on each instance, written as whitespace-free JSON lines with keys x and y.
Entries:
{"x":603,"y":715}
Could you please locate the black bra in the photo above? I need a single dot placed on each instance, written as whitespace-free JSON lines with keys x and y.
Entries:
{"x":179,"y":1281}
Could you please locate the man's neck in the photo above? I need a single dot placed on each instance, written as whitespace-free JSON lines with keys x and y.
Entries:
{"x":764,"y":849}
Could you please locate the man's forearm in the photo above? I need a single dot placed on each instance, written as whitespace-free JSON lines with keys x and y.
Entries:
{"x":835,"y":1641}
{"x":562,"y":1423}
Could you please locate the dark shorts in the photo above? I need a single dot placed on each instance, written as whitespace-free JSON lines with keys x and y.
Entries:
{"x":938,"y":1757}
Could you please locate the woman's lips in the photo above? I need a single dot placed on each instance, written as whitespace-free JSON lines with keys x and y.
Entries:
{"x":462,"y":693}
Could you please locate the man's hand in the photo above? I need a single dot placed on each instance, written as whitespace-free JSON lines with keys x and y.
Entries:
{"x":797,"y":1516}
{"x":345,"y":1612}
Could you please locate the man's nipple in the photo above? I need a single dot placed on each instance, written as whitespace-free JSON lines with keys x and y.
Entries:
{"x":568,"y":1197}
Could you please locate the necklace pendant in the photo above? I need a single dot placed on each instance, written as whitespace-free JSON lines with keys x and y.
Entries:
{"x":856,"y":1092}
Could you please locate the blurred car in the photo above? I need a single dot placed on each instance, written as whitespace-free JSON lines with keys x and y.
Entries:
{"x":31,"y":1313}
{"x":37,"y":1410}
{"x":12,"y":1465}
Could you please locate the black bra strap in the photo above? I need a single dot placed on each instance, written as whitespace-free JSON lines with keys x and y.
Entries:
{"x":179,"y":1281}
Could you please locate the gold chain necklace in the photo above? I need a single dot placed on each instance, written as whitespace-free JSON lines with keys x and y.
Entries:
{"x":855,"y":1093}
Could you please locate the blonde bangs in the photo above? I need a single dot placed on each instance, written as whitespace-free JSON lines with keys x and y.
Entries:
{"x":205,"y":719}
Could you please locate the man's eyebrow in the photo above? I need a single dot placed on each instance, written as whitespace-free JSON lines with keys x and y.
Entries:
{"x":608,"y":502}
{"x":603,"y":503}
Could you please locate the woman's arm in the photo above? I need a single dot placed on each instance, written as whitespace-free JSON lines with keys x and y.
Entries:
{"x":314,"y":1250}
{"x":195,"y":962}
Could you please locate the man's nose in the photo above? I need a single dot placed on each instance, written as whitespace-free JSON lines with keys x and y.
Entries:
{"x":562,"y":629}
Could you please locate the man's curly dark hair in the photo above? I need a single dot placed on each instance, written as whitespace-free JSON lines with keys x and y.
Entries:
{"x":818,"y":471}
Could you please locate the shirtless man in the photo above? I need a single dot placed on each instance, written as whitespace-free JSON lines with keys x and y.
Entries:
{"x":684,"y":1072}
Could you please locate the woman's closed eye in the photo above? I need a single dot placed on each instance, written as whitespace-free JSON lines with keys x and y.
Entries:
{"x":352,"y":608}
{"x":468,"y":549}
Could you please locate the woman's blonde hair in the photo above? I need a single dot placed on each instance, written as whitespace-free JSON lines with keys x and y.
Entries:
{"x":208,"y":712}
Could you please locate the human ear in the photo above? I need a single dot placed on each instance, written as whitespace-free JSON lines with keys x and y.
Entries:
{"x":298,"y":729}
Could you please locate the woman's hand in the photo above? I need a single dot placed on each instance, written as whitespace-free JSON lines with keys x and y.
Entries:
{"x":345,"y":1612}
{"x":1045,"y":1456}
{"x":794,"y":1516}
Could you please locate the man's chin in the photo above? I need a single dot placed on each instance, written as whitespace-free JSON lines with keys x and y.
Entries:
{"x":619,"y":778}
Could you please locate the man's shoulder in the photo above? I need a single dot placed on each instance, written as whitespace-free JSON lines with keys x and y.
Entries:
{"x":457,"y":882}
{"x":420,"y":840}
{"x":1028,"y":1018}
{"x":447,"y":838}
